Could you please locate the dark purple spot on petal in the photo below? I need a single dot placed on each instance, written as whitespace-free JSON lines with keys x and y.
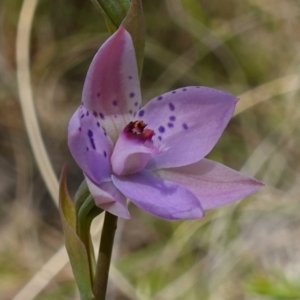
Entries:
{"x":184,"y":126}
{"x":172,"y":118}
{"x":101,"y":116}
{"x":90,"y":134}
{"x":130,"y":111}
{"x":87,"y":149}
{"x":197,"y":87}
{"x":131,"y":95}
{"x":87,"y":113}
{"x":130,"y":77}
{"x":98,"y":94}
{"x":159,"y":98}
{"x":161,"y":129}
{"x":170,"y":125}
{"x":95,"y":114}
{"x":141,"y":113}
{"x":104,"y":132}
{"x":115,"y":103}
{"x":82,"y":116}
{"x":173,"y":92}
{"x":79,"y":128}
{"x":172,"y":107}
{"x":136,"y":104}
{"x":98,"y":124}
{"x":104,"y":153}
{"x":184,"y":90}
{"x":160,"y":138}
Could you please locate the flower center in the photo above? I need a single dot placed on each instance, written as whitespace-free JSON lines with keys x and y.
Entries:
{"x":133,"y":149}
{"x":137,"y":129}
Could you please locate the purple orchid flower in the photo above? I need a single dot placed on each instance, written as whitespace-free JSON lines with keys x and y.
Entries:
{"x":152,"y":155}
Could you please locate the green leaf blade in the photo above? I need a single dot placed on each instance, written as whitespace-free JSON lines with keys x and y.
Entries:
{"x":75,"y":248}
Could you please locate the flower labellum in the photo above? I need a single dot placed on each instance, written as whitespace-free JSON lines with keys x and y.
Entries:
{"x":152,"y":155}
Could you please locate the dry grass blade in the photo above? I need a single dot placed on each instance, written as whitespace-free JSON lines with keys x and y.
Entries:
{"x":42,"y":278}
{"x":267,"y":91}
{"x":26,"y":97}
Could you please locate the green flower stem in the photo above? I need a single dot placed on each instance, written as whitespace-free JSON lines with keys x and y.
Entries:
{"x":104,"y":258}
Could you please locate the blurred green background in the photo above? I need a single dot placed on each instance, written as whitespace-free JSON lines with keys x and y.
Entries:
{"x":245,"y":251}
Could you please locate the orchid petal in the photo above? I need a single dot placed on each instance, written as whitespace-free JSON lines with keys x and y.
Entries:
{"x":112,"y":89}
{"x":159,"y":197}
{"x":211,"y":182}
{"x":187,"y":123}
{"x":107,"y":197}
{"x":89,"y":145}
{"x":131,"y":153}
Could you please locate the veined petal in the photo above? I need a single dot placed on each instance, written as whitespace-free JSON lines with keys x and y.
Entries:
{"x":89,"y":145}
{"x":133,"y":150}
{"x":211,"y":182}
{"x":187,"y":123}
{"x":109,"y":198}
{"x":112,"y":88}
{"x":159,"y":197}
